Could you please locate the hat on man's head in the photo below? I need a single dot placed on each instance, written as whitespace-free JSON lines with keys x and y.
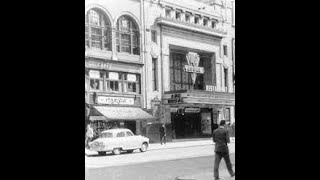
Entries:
{"x":222,"y":122}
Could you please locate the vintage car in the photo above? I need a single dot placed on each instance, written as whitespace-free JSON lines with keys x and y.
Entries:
{"x":117,"y":140}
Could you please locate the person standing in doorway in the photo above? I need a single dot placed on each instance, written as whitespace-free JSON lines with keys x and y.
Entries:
{"x":89,"y":135}
{"x":221,"y":139}
{"x":163,"y":134}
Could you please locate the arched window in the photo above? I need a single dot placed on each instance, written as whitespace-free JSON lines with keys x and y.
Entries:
{"x":98,"y":30}
{"x":128,"y":40}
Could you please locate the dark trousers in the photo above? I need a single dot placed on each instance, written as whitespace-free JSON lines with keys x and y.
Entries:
{"x":217,"y":159}
{"x":163,"y":139}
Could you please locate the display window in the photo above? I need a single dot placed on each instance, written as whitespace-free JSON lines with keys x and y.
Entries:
{"x":113,"y":81}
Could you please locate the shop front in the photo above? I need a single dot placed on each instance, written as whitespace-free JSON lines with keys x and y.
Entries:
{"x":114,"y":96}
{"x":110,"y":117}
{"x":196,"y":114}
{"x":196,"y":106}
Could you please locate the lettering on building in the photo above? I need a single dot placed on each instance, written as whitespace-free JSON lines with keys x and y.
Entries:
{"x":210,"y":88}
{"x":115,"y":100}
{"x":193,"y":60}
{"x":97,"y":65}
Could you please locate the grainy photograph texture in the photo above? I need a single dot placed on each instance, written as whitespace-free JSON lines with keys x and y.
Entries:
{"x":159,"y":89}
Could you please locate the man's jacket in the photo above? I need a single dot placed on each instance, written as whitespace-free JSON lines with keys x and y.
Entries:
{"x":221,"y":138}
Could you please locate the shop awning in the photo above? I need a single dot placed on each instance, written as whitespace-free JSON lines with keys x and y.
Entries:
{"x":119,"y":113}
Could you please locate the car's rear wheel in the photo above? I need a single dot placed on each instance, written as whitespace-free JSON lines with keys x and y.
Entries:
{"x":144,"y":147}
{"x":116,"y":151}
{"x":130,"y":151}
{"x":102,"y":153}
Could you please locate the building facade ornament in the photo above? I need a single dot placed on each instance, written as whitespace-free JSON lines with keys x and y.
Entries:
{"x":154,"y":50}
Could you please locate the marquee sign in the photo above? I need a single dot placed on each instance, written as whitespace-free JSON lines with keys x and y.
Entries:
{"x":193,"y":60}
{"x":192,"y":110}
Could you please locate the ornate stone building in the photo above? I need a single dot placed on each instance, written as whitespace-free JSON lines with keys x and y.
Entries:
{"x":159,"y":61}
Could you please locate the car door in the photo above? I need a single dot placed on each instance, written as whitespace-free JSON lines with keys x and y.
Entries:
{"x":120,"y":139}
{"x":135,"y":140}
{"x":130,"y":142}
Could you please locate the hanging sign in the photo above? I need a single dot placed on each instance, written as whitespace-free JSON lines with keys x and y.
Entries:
{"x":193,"y":60}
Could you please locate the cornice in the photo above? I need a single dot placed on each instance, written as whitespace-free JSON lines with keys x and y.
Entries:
{"x":191,"y":27}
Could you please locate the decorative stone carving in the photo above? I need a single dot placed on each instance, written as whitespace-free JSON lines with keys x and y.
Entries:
{"x":154,"y":50}
{"x":193,"y":60}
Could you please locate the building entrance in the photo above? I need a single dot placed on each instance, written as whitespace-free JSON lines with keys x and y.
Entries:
{"x":187,"y":125}
{"x":194,"y":125}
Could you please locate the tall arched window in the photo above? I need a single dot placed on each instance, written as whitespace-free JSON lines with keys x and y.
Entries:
{"x":128,"y":40}
{"x":98,"y":31}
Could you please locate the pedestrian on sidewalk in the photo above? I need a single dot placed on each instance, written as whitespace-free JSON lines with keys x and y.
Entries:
{"x":89,"y":135}
{"x":163,"y":134}
{"x":221,"y":139}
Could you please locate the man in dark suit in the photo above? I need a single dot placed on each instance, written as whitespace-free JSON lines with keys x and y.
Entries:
{"x":163,"y":134}
{"x":221,"y":139}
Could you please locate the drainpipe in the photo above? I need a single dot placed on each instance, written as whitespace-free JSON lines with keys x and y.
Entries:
{"x":142,"y":17}
{"x":161,"y":55}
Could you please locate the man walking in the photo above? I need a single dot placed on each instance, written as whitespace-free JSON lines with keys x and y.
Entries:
{"x":163,"y":134}
{"x":221,"y":139}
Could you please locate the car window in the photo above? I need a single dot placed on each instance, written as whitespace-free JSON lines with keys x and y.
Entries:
{"x":129,"y":133}
{"x":106,"y":135}
{"x":120,"y":134}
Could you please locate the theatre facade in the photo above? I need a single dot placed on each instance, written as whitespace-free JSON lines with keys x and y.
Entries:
{"x":151,"y":62}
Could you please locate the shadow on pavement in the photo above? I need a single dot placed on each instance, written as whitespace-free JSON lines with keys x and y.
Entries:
{"x":109,"y":154}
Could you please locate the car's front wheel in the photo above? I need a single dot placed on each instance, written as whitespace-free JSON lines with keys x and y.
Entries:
{"x":116,"y":151}
{"x":144,"y":147}
{"x":102,"y":153}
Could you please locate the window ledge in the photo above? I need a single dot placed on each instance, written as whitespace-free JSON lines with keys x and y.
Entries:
{"x":96,"y":53}
{"x":128,"y":57}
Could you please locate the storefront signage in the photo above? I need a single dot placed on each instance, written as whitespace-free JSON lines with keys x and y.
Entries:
{"x":131,"y":77}
{"x":193,"y":69}
{"x":192,"y":110}
{"x":115,"y":100}
{"x":97,"y":65}
{"x":113,"y":76}
{"x":94,"y":74}
{"x":210,"y":88}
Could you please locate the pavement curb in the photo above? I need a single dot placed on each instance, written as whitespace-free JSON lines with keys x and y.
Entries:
{"x":174,"y":145}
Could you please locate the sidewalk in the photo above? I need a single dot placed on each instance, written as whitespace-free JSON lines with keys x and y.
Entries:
{"x":172,"y":145}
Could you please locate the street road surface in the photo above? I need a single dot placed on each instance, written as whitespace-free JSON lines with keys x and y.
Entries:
{"x":164,"y":164}
{"x":160,"y":170}
{"x":95,"y":161}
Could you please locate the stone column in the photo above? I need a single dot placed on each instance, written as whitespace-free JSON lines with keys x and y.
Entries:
{"x":166,"y":69}
{"x":200,"y":21}
{"x":114,"y":46}
{"x":232,"y":114}
{"x":183,"y":16}
{"x":192,"y":18}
